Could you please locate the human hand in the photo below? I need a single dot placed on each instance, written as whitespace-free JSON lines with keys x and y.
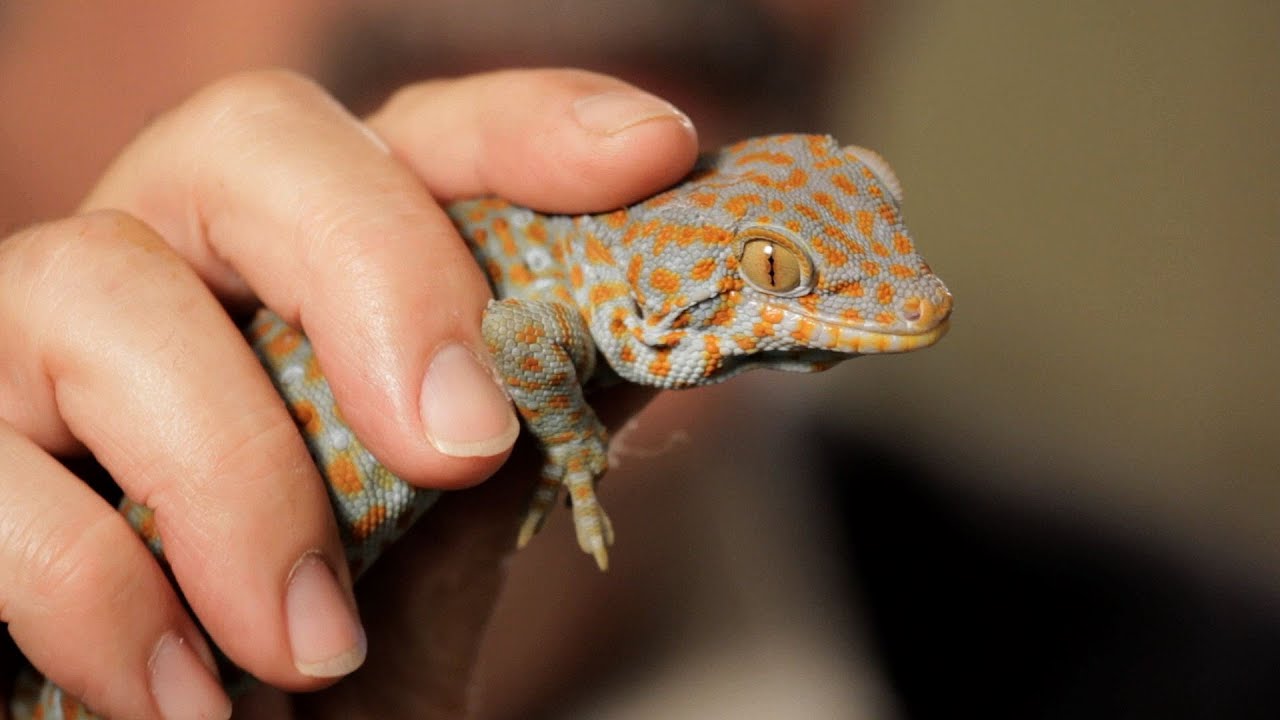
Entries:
{"x":118,"y":341}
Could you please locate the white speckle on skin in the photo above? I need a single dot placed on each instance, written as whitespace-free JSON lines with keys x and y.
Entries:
{"x":292,"y":374}
{"x":538,"y":259}
{"x":339,"y":438}
{"x":520,"y":218}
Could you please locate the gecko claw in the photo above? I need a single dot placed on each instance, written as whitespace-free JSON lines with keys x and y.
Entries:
{"x":528,"y":529}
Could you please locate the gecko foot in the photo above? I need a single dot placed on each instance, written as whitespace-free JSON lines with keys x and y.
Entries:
{"x":544,"y":498}
{"x":590,"y":522}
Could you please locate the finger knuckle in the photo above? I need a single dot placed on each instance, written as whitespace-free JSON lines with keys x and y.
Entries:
{"x":82,"y":571}
{"x":94,"y":253}
{"x":251,"y":94}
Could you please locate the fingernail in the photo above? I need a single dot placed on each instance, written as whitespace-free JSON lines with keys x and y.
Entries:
{"x":465,"y":412}
{"x":610,"y":113}
{"x":324,"y":631}
{"x":182,"y":685}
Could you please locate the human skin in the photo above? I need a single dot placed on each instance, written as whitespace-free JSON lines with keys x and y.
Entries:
{"x":260,"y":189}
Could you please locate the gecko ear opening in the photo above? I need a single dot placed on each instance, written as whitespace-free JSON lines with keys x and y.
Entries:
{"x":880,"y":167}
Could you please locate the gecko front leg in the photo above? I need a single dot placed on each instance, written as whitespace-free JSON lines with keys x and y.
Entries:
{"x":545,"y":352}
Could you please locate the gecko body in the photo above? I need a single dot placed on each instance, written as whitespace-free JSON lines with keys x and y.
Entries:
{"x":784,"y":252}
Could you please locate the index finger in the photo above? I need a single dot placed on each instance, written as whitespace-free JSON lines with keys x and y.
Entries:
{"x":561,"y":141}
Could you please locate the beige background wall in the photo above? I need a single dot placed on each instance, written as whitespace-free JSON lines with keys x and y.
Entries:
{"x":1100,"y":185}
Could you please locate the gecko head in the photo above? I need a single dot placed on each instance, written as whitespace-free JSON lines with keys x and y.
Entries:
{"x":790,"y":250}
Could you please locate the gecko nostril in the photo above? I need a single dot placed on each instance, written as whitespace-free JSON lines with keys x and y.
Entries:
{"x":911,"y":309}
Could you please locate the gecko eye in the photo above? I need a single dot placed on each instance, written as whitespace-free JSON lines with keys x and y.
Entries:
{"x":773,"y":265}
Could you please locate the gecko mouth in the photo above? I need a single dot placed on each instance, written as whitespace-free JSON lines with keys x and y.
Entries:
{"x":847,"y":339}
{"x":925,"y":324}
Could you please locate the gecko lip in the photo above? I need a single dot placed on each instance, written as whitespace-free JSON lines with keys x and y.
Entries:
{"x":850,"y":339}
{"x":931,"y":322}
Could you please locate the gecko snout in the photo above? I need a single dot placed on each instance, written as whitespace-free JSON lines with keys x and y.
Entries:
{"x":923,"y":313}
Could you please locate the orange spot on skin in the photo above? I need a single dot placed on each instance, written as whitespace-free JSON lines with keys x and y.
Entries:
{"x":852,"y":315}
{"x":259,"y":330}
{"x":502,"y":229}
{"x":902,"y":271}
{"x":70,"y":706}
{"x":661,"y":364}
{"x":870,"y":268}
{"x":845,"y":184}
{"x":809,"y":302}
{"x":879,"y":248}
{"x":529,"y":334}
{"x":286,"y":342}
{"x":596,"y":252}
{"x":805,"y":330}
{"x":888,"y":213}
{"x":343,"y":476}
{"x":305,"y":415}
{"x":369,"y":522}
{"x":739,"y":205}
{"x":831,"y":253}
{"x":618,"y":324}
{"x":884,"y":293}
{"x":575,"y":276}
{"x":703,"y":269}
{"x":536,"y":231}
{"x":828,"y":203}
{"x":703,"y":199}
{"x":809,"y":212}
{"x":902,"y":244}
{"x":633,"y":278}
{"x":519,"y":275}
{"x":763,"y":156}
{"x":839,"y":235}
{"x":885,"y":318}
{"x":664,"y":281}
{"x":818,"y":146}
{"x":771,"y":314}
{"x":312,"y":369}
{"x":746,"y":342}
{"x":147,"y":526}
{"x":604,"y":292}
{"x":493,"y":269}
{"x":795,"y":180}
{"x":723,"y":316}
{"x":531,"y":364}
{"x":627,"y":354}
{"x":866,"y":221}
{"x":762,"y":329}
{"x":714,"y":358}
{"x":616,"y":219}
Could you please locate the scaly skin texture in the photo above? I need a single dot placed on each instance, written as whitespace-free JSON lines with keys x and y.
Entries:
{"x":783,"y":252}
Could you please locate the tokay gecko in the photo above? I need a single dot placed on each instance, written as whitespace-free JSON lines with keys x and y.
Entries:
{"x":784,"y":252}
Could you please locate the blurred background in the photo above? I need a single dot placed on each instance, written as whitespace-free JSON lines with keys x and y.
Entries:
{"x":1071,"y":506}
